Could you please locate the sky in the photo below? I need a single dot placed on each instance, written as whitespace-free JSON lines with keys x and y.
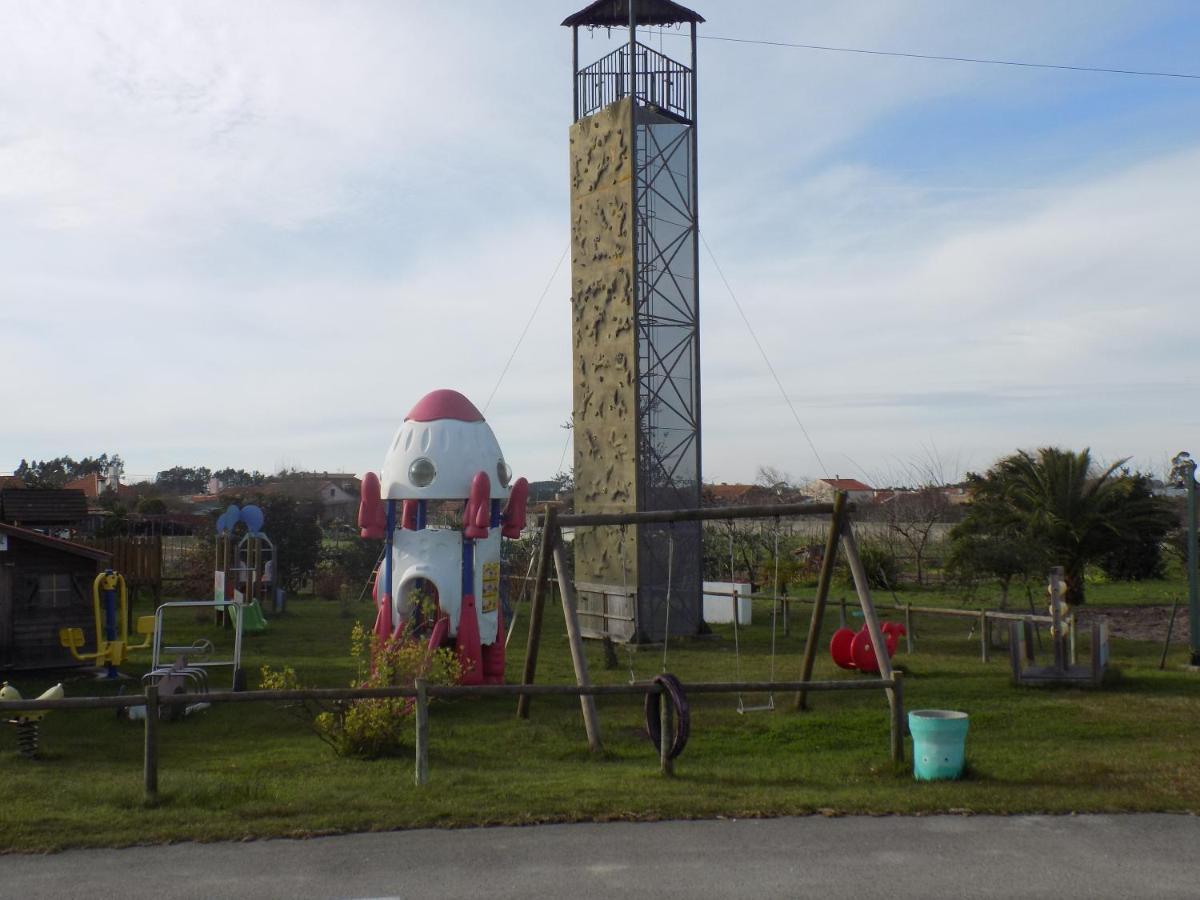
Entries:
{"x":254,"y":234}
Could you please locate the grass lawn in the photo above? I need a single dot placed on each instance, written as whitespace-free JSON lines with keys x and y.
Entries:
{"x":245,"y":771}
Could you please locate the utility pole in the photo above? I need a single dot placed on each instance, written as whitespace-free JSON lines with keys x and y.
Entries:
{"x":1184,"y":469}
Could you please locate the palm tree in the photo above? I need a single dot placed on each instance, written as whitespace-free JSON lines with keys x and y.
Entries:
{"x":1068,"y":506}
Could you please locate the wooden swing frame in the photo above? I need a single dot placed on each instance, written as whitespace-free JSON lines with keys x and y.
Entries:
{"x":841,"y":533}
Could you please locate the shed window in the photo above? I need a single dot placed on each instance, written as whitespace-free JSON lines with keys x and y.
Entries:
{"x":54,"y":590}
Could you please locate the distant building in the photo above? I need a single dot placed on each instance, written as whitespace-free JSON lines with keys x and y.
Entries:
{"x":747,"y":495}
{"x":337,"y":493}
{"x":52,"y":511}
{"x":822,"y":490}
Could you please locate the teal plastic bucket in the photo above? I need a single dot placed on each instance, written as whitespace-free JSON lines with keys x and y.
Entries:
{"x":939,"y":743}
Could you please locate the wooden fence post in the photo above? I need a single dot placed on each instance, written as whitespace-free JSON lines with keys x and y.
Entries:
{"x":537,"y":606}
{"x":896,"y":706}
{"x":422,"y":717}
{"x":150,"y":761}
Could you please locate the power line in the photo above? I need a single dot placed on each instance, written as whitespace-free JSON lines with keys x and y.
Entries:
{"x":525,"y":330}
{"x":763,"y":353}
{"x":977,"y":60}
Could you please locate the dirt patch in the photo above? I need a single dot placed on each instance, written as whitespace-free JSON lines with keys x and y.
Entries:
{"x":1140,"y":623}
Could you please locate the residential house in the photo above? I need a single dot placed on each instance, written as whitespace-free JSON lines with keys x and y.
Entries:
{"x":824,"y":489}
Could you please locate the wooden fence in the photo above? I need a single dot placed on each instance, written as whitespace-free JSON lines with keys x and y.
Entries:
{"x":421,"y":693}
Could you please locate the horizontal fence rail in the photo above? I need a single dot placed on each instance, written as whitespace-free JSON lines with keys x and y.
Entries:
{"x":439,"y":691}
{"x":704,"y":514}
{"x":421,"y":693}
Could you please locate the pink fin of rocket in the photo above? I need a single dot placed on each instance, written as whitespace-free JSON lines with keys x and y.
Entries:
{"x":383,"y":621}
{"x":372,"y":517}
{"x":513,"y":516}
{"x":478,"y":514}
{"x":468,"y":642}
{"x":493,"y":653}
{"x":408,"y":515}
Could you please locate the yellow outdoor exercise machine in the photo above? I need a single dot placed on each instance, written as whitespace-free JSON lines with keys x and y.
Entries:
{"x":110,"y":606}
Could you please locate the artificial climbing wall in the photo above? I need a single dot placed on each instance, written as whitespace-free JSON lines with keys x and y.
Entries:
{"x":605,"y":353}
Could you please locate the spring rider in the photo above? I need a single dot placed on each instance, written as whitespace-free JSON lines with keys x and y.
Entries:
{"x":853,"y":650}
{"x":110,"y":605}
{"x":27,"y":723}
{"x":444,"y":581}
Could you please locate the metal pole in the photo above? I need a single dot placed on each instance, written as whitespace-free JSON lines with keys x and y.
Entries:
{"x":1193,"y":578}
{"x":575,"y":71}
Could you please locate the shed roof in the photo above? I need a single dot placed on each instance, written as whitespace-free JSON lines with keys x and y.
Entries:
{"x":615,"y":13}
{"x":36,"y":537}
{"x":37,"y":507}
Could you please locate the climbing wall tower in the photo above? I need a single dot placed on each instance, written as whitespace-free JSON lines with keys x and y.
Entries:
{"x":635,"y":324}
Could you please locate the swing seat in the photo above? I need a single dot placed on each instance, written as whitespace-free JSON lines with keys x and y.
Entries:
{"x":769,"y":706}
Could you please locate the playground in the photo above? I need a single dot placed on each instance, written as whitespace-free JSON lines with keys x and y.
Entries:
{"x":459,"y":688}
{"x":255,"y":770}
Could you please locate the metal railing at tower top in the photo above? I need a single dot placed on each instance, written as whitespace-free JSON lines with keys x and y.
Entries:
{"x":660,"y":81}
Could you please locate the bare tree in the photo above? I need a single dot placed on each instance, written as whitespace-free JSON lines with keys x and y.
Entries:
{"x":912,"y":514}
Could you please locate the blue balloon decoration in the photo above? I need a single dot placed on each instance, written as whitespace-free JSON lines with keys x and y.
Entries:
{"x":221,"y":529}
{"x":253,"y":517}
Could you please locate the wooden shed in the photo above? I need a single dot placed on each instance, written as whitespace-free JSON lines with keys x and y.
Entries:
{"x":45,"y":585}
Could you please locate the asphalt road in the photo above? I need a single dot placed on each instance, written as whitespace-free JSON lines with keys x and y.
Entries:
{"x":1137,"y":856}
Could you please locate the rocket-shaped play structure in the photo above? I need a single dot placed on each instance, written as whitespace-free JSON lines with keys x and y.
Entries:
{"x":443,"y":581}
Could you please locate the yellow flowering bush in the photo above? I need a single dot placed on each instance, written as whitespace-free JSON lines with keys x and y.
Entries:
{"x":371,"y":728}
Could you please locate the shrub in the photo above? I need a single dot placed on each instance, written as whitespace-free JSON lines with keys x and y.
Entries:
{"x":883,"y":571}
{"x":373,"y":728}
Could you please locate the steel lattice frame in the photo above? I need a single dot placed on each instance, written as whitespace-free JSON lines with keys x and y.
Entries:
{"x":666,"y":314}
{"x":668,"y":384}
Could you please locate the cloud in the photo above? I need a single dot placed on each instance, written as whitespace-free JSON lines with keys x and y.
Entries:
{"x":243,"y":234}
{"x":1067,"y":321}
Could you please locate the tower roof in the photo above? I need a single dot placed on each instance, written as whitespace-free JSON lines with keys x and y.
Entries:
{"x":615,"y":13}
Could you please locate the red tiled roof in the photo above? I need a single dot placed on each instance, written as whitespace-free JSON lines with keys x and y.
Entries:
{"x":846,"y":484}
{"x":89,"y":484}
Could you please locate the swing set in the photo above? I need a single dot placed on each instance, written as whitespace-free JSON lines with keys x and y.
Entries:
{"x":841,"y":534}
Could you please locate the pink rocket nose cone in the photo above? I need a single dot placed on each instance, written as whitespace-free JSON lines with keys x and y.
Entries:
{"x":444,"y":404}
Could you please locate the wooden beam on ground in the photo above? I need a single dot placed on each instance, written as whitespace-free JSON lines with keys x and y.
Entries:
{"x":578,"y":657}
{"x":537,"y":606}
{"x":879,"y":643}
{"x":823,"y":583}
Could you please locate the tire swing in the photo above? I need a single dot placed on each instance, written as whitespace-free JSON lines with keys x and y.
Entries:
{"x":672,"y":692}
{"x":672,"y":689}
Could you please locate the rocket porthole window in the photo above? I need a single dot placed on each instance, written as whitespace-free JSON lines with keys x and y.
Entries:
{"x":504,"y":473}
{"x":422,"y":471}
